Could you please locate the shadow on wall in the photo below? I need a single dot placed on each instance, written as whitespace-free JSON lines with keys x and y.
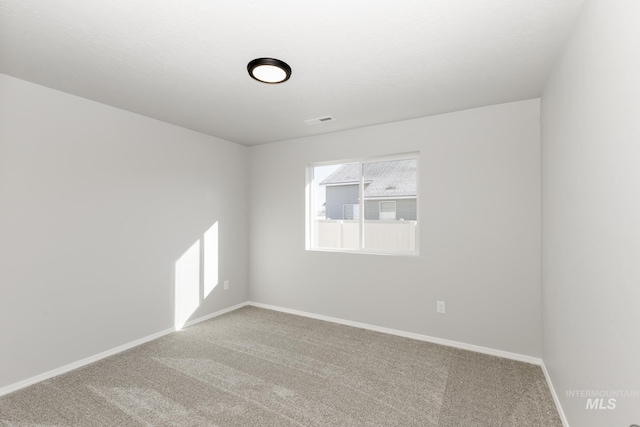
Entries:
{"x":196,"y":276}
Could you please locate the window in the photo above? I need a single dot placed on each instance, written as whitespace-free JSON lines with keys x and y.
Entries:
{"x":388,"y":210}
{"x":350,"y":211}
{"x":366,"y":206}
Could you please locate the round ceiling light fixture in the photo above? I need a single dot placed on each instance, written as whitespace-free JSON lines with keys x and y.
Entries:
{"x":269,"y":70}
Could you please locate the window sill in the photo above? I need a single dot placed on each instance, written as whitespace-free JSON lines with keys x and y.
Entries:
{"x":367,"y":252}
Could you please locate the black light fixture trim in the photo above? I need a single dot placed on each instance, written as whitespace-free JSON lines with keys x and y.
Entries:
{"x":271,"y":62}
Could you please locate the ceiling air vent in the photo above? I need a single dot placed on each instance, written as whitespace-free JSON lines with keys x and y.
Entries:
{"x":319,"y":120}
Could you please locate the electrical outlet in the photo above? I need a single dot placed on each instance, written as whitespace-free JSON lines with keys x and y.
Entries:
{"x":226,"y":285}
{"x":440,"y":307}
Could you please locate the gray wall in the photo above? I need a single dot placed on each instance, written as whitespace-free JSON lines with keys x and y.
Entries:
{"x":591,"y":214}
{"x":479,"y":233}
{"x":97,"y":205}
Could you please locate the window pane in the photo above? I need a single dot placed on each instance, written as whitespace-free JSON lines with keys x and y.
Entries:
{"x":387,"y":210}
{"x":336,"y":206}
{"x":390,"y":200}
{"x":351,"y":211}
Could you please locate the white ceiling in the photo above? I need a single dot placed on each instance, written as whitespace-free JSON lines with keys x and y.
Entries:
{"x":363,"y":62}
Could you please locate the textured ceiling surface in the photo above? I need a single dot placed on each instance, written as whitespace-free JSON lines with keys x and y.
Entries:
{"x":363,"y":62}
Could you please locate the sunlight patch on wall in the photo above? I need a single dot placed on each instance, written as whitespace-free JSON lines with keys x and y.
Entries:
{"x":210,"y":259}
{"x":196,"y":276}
{"x":187,"y":285}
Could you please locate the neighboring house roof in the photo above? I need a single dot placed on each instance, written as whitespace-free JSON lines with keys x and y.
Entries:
{"x":384,"y":179}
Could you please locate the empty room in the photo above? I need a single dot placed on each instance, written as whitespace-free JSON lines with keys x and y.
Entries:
{"x":294,"y":213}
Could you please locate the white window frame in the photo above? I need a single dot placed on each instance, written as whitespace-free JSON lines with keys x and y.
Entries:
{"x":310,"y":197}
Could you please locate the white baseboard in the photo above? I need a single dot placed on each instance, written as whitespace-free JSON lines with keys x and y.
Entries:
{"x":91,"y":359}
{"x":419,"y":337}
{"x":556,"y":400}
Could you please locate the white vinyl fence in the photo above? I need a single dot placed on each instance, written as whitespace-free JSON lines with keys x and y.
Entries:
{"x":379,"y":234}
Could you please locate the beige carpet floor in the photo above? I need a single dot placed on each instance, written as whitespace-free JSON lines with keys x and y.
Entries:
{"x":256,"y":367}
